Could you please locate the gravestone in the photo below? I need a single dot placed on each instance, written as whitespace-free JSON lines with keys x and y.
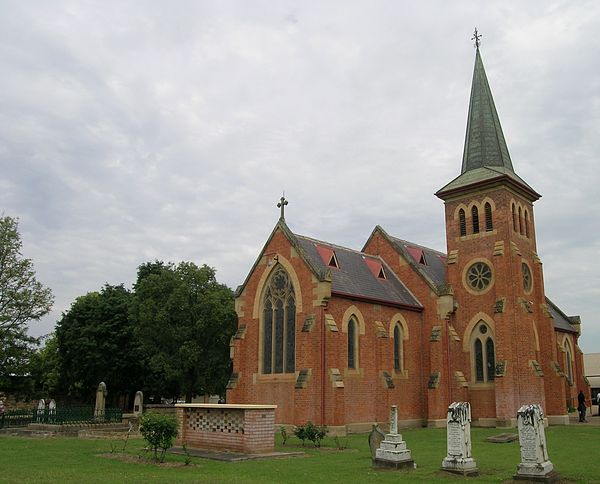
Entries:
{"x":392,"y":452}
{"x":375,"y":438}
{"x":41,"y":409}
{"x":100,"y":401}
{"x":535,"y":464}
{"x":138,"y":403}
{"x":458,"y":434}
{"x":52,"y":411}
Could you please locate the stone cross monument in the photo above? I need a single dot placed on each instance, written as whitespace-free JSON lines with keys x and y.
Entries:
{"x":458,"y":424}
{"x":535,"y":464}
{"x":392,"y":452}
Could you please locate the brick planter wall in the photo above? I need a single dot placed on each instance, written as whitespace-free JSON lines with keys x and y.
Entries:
{"x":235,"y":428}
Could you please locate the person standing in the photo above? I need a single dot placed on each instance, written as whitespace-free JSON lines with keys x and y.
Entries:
{"x":581,"y":406}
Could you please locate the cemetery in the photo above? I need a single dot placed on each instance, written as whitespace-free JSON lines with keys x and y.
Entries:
{"x":212,"y":436}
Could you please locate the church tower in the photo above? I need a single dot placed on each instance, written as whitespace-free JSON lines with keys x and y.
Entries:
{"x":504,"y":346}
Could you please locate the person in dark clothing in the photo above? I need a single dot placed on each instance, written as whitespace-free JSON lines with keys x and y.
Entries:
{"x":581,"y":406}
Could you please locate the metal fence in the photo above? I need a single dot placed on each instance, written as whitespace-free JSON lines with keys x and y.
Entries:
{"x":60,"y":416}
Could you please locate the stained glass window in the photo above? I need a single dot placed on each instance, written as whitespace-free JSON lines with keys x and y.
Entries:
{"x":478,"y":360}
{"x":279,"y":324}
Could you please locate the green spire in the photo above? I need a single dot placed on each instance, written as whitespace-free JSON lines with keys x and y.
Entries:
{"x":484,"y":141}
{"x":486,"y":160}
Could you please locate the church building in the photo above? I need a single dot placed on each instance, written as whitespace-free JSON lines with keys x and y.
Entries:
{"x":337,"y":335}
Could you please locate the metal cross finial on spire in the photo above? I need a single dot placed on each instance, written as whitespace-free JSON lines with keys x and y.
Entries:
{"x":282,"y":203}
{"x":477,"y":38}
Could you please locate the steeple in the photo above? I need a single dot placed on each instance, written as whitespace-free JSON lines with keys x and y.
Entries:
{"x":484,"y":141}
{"x":486,"y":160}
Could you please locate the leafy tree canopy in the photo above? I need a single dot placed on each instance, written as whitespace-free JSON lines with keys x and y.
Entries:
{"x":22,"y":299}
{"x":184,"y":320}
{"x":96,"y":343}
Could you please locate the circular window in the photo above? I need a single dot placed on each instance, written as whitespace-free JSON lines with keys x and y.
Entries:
{"x":527,"y":280}
{"x":479,"y":276}
{"x":483,"y":329}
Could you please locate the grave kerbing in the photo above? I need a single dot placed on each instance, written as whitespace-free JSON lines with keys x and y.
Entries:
{"x":535,"y":464}
{"x":458,"y":424}
{"x":392,"y":452}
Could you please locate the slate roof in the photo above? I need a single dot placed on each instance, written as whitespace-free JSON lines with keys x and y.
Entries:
{"x":354,"y":277}
{"x":431,"y":263}
{"x":561,"y":320}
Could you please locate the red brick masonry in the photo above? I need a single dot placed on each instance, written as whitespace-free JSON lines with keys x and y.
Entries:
{"x":236,"y":428}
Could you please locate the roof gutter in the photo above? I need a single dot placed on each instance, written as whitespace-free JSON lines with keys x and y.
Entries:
{"x":410,"y":307}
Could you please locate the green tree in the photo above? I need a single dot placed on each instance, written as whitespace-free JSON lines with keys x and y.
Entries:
{"x":96,"y":343}
{"x":22,"y":299}
{"x":45,"y":367}
{"x":184,"y":320}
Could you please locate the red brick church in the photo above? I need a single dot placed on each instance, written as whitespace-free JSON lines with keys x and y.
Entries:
{"x":337,"y":335}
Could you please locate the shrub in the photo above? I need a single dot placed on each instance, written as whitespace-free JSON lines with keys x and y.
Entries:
{"x":159,"y":431}
{"x":311,"y":432}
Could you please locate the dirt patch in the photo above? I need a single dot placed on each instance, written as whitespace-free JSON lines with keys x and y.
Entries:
{"x":138,"y":459}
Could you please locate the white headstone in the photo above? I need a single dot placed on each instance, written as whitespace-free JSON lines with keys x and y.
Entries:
{"x":100,"y":400}
{"x":138,"y":403}
{"x":41,"y":408}
{"x":458,"y":433}
{"x":392,"y":451}
{"x":52,"y":411}
{"x":534,"y":454}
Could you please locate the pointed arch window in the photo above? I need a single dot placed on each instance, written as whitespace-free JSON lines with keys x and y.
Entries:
{"x":462,"y":223}
{"x":483,"y":354}
{"x":520,"y":221}
{"x":526,"y":224}
{"x":398,"y":349}
{"x":568,"y":363}
{"x":279,"y":324}
{"x":352,"y":343}
{"x":489,"y":224}
{"x":514,"y":217}
{"x":475,"y":219}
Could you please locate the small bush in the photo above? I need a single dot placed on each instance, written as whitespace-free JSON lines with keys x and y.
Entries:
{"x":159,"y":431}
{"x":311,"y":432}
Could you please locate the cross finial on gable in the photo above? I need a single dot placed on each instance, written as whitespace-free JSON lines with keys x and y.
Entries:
{"x":477,"y":38}
{"x":282,"y":203}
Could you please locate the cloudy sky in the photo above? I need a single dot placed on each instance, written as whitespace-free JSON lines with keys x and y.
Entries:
{"x":133,"y":131}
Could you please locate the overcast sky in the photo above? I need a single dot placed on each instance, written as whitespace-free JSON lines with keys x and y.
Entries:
{"x":133,"y":131}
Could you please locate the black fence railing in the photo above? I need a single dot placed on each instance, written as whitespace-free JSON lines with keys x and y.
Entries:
{"x":59,"y":416}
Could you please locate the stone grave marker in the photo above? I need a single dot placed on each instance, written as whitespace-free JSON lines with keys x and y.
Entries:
{"x":535,"y":464}
{"x":375,"y":438}
{"x":458,"y":434}
{"x":392,"y":452}
{"x":100,"y":401}
{"x":41,"y":408}
{"x":138,"y":403}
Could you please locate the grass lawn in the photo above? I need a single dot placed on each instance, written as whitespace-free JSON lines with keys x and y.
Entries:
{"x":574,"y":451}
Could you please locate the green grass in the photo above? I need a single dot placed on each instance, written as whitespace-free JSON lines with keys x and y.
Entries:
{"x":574,"y":451}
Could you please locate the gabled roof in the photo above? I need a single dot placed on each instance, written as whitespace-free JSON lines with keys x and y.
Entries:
{"x":356,"y":276}
{"x":486,"y":159}
{"x":561,"y":320}
{"x":430,"y":264}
